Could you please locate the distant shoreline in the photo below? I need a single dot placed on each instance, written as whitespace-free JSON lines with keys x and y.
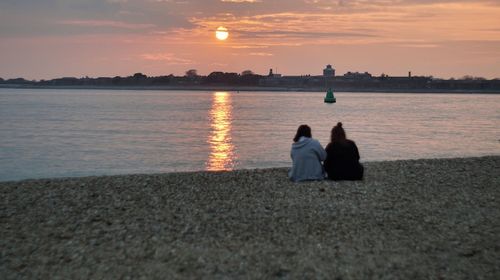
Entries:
{"x":251,"y":88}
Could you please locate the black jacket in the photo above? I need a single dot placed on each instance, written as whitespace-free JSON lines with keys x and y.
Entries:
{"x":342,"y":161}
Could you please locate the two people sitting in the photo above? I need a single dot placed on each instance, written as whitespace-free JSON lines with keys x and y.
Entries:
{"x":340,"y":157}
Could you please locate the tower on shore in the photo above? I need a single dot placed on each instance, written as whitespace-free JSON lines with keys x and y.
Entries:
{"x":329,"y":71}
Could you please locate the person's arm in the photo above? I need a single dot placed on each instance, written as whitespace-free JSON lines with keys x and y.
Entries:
{"x":356,"y":152}
{"x":321,"y":152}
{"x":327,"y":160}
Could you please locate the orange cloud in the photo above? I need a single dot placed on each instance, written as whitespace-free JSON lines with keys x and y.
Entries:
{"x":107,"y":23}
{"x":261,"y":54}
{"x":169,"y":58}
{"x":364,"y":23}
{"x":242,"y":1}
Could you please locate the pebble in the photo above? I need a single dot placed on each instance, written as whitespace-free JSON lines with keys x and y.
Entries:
{"x":406,"y":219}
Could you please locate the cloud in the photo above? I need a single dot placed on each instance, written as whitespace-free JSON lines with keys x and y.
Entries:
{"x":42,"y":17}
{"x":419,"y":46}
{"x":261,"y":54}
{"x":358,"y":22}
{"x":300,"y":34}
{"x":107,"y":23}
{"x":360,"y":31}
{"x":249,"y":47}
{"x":287,"y":28}
{"x":342,"y":17}
{"x":218,"y":64}
{"x":169,"y":58}
{"x":241,"y":1}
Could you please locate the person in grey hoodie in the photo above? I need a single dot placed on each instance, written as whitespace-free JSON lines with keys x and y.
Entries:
{"x":307,"y":155}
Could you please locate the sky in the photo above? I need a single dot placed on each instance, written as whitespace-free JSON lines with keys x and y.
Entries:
{"x":45,"y":39}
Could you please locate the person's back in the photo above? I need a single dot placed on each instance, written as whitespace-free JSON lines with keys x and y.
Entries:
{"x":306,"y":154}
{"x":342,"y":160}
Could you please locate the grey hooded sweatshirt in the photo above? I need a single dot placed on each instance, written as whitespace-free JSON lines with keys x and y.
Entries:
{"x":307,"y":155}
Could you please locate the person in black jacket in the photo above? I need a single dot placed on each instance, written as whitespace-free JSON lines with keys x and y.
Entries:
{"x":342,"y":160}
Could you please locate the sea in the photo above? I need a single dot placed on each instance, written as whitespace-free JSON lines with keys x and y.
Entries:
{"x":48,"y":133}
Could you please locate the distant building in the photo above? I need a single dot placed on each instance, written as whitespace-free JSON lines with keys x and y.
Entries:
{"x":329,"y":71}
{"x":272,"y":75}
{"x":358,"y":76}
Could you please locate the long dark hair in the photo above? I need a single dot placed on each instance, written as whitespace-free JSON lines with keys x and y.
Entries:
{"x":338,"y":133}
{"x":303,"y":130}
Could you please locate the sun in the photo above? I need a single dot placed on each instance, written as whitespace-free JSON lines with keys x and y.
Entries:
{"x":221,"y":33}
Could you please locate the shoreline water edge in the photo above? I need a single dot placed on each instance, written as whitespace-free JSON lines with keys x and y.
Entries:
{"x":255,"y":88}
{"x":429,"y":218}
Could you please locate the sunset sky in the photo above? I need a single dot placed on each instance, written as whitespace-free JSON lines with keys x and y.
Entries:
{"x":44,"y":39}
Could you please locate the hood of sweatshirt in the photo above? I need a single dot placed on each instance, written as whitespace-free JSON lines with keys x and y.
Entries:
{"x":300,"y":144}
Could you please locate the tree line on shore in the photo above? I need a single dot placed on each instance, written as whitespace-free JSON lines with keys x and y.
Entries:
{"x":349,"y":81}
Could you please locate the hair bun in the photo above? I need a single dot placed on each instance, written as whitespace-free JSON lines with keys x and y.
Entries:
{"x":339,"y":124}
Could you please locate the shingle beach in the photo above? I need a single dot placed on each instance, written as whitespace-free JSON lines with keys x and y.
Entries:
{"x":415,"y":219}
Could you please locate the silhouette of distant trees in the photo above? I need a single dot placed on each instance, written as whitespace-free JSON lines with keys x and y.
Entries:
{"x":16,"y":81}
{"x":469,"y":77}
{"x":139,"y":79}
{"x":247,"y":72}
{"x":162,"y":80}
{"x":191,"y":73}
{"x":351,"y":81}
{"x":221,"y":78}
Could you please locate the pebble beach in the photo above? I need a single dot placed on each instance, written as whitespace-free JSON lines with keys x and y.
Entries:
{"x":413,"y":219}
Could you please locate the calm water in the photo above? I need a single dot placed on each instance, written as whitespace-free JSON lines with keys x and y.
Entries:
{"x":61,"y":133}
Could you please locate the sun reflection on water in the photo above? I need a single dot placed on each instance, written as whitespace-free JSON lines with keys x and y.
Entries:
{"x":221,"y":147}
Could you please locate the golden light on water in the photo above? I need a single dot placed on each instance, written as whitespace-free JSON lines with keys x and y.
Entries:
{"x":221,"y":147}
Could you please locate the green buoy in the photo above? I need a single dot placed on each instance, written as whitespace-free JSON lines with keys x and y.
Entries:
{"x":329,"y":98}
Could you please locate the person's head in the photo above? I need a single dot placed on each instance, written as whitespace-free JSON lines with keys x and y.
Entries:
{"x":338,"y":133}
{"x":303,"y":130}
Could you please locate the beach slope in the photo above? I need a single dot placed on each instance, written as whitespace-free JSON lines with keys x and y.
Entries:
{"x":437,"y":219}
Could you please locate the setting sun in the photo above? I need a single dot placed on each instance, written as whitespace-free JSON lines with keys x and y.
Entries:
{"x":221,"y":33}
